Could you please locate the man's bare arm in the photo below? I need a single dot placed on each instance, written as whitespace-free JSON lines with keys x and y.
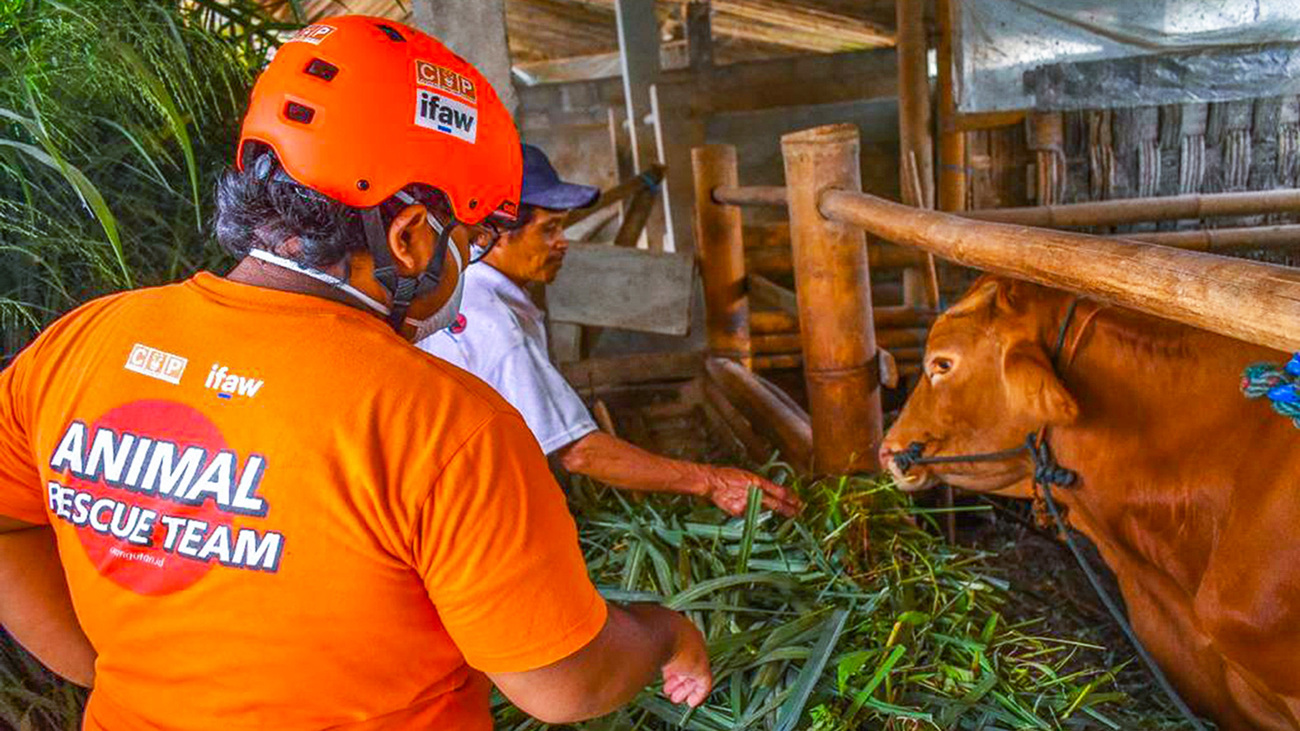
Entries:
{"x":636,"y":643}
{"x":624,"y":465}
{"x":35,"y":606}
{"x":9,"y":525}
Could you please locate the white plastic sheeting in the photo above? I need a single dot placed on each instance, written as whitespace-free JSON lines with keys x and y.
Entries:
{"x":1080,"y":54}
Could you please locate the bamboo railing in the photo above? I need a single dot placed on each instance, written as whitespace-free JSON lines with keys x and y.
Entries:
{"x":831,"y":319}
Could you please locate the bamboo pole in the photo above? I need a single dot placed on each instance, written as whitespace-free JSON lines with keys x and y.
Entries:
{"x":648,"y":180}
{"x":789,"y":342}
{"x":1138,"y":210}
{"x":765,"y":293}
{"x":833,"y":279}
{"x":757,"y":196}
{"x":1224,"y":239}
{"x":735,"y":423}
{"x":1248,"y":300}
{"x":770,"y":260}
{"x":722,"y":255}
{"x":915,"y":147}
{"x":952,"y":141}
{"x":788,"y":428}
{"x":779,"y":260}
{"x":766,"y":322}
{"x":908,"y":360}
{"x":635,"y":218}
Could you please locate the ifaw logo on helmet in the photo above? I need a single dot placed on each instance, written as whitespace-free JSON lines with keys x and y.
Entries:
{"x":312,"y":34}
{"x":446,"y":115}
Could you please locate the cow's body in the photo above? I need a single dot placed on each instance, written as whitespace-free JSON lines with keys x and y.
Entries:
{"x":1190,"y":491}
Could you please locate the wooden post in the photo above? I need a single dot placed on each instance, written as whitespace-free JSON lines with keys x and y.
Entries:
{"x":914,"y":137}
{"x":475,"y":29}
{"x":699,"y":34}
{"x":916,"y":148}
{"x":952,"y":141}
{"x":722,"y":255}
{"x":833,"y":280}
{"x":638,"y":48}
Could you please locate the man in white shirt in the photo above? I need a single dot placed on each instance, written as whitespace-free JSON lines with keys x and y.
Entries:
{"x":500,"y":337}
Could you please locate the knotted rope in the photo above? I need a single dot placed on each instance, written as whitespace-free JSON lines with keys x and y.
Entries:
{"x":1278,"y":383}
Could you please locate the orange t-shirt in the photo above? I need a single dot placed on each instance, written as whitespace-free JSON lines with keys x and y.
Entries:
{"x":276,"y":514}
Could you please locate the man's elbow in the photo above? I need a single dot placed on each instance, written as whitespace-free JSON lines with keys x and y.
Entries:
{"x":572,"y":705}
{"x":575,"y":457}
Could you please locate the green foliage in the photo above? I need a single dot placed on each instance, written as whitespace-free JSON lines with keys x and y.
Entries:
{"x":32,"y":697}
{"x":849,"y":617}
{"x":116,"y":116}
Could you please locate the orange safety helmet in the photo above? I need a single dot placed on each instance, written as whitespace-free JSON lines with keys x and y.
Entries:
{"x":357,"y":108}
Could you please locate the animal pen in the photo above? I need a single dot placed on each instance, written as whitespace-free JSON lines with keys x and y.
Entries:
{"x":756,"y":284}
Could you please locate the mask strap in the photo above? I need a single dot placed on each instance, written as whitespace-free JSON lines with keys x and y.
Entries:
{"x":341,"y":284}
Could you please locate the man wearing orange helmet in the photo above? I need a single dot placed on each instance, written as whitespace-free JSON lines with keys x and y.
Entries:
{"x":271,"y":510}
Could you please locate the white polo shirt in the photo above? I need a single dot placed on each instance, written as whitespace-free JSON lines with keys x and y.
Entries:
{"x":503,"y":342}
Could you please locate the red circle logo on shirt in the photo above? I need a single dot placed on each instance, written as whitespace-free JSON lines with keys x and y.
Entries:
{"x":153,"y":490}
{"x":458,"y":327}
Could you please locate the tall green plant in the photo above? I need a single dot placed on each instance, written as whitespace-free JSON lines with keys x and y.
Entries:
{"x":116,"y":116}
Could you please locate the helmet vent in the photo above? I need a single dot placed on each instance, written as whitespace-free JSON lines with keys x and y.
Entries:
{"x":391,"y":32}
{"x":322,"y":69}
{"x":299,"y":113}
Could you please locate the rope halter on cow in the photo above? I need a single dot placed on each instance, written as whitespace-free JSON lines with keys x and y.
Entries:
{"x":1046,"y":469}
{"x":1048,"y":473}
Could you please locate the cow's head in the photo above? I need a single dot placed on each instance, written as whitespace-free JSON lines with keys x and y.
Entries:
{"x":988,"y":382}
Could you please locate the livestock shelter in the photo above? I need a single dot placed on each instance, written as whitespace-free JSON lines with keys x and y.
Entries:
{"x":792,"y":193}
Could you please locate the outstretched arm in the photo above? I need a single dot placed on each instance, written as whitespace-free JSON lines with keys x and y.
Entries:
{"x":637,"y":643}
{"x":624,"y":465}
{"x":35,"y":606}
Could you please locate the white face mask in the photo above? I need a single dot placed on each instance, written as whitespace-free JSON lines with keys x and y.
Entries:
{"x":443,"y":318}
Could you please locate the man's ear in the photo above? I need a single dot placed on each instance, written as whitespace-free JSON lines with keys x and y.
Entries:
{"x":410,"y":240}
{"x":1032,"y":386}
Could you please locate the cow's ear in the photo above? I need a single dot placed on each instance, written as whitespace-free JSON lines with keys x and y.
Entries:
{"x":1032,"y":385}
{"x":980,"y":295}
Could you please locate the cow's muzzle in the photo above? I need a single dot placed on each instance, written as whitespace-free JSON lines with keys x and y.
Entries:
{"x":1046,"y":469}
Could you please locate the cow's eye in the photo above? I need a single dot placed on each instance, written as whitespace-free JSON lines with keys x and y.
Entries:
{"x":940,"y":366}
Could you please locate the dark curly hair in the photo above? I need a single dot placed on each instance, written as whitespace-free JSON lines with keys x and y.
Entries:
{"x":262,"y":212}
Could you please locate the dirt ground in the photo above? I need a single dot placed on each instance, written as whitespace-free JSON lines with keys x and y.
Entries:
{"x":1052,"y":588}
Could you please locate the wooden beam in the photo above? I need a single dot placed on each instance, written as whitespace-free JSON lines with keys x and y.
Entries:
{"x":796,"y":25}
{"x":1247,"y":300}
{"x":789,"y":429}
{"x":765,"y":293}
{"x":595,"y":373}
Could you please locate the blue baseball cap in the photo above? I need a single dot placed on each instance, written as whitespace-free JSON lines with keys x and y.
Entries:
{"x":543,"y":188}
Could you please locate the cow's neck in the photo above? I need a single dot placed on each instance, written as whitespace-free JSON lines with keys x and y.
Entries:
{"x":1163,"y":438}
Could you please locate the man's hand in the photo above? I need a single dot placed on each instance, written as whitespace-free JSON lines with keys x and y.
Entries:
{"x":636,"y":642}
{"x":728,"y":488}
{"x":687,"y":677}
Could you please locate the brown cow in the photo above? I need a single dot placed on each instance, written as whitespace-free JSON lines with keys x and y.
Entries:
{"x":1188,"y":489}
